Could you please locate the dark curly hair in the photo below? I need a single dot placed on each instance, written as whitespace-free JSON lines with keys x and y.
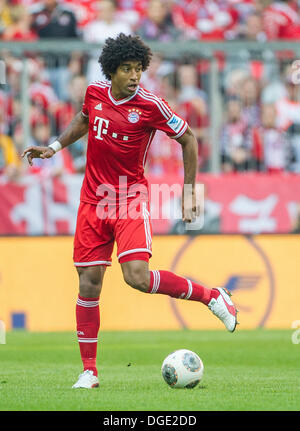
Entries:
{"x":123,"y":48}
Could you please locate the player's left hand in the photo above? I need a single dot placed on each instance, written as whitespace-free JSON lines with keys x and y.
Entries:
{"x":190,"y":205}
{"x":35,"y":152}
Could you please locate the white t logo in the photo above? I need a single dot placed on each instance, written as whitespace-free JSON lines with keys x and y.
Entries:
{"x":99,"y":128}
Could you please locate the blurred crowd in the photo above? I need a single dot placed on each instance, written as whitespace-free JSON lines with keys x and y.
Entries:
{"x":260,"y":101}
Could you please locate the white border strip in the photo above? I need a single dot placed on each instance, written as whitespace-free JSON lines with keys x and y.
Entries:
{"x":147,"y":146}
{"x":146,"y":215}
{"x":167,"y":117}
{"x":100,"y":84}
{"x":156,"y":281}
{"x":119,"y":102}
{"x":180,"y":133}
{"x":190,"y":291}
{"x":160,"y":102}
{"x":134,"y":250}
{"x":87,"y":304}
{"x":95,"y":262}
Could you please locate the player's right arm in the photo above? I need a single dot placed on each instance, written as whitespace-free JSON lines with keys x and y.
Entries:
{"x":76,"y":129}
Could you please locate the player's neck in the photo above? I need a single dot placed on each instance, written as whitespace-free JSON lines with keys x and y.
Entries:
{"x":117,"y":94}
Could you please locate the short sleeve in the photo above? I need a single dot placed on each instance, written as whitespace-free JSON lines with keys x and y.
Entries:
{"x":85,"y":105}
{"x":165,"y":119}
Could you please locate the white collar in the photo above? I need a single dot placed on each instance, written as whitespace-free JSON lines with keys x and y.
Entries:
{"x":119,"y":102}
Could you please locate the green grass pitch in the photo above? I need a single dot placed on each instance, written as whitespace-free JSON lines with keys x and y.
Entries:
{"x":247,"y":370}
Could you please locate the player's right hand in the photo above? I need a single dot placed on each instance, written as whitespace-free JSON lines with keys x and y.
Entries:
{"x":38,"y":153}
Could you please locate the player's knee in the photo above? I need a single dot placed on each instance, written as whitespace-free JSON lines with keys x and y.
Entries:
{"x":137,"y":278}
{"x":88,"y":288}
{"x":90,"y":282}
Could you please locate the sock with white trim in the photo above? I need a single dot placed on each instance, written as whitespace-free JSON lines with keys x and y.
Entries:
{"x":168,"y":283}
{"x":88,"y":323}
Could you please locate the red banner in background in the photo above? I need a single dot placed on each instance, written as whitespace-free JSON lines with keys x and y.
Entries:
{"x":255,"y":203}
{"x":240,"y":203}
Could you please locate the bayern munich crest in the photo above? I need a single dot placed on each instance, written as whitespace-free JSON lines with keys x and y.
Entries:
{"x":134,"y":115}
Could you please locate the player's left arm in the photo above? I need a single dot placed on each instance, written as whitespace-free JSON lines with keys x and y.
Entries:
{"x":190,"y":207}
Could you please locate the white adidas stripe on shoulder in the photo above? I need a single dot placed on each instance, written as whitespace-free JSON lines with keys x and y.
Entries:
{"x":101,"y":84}
{"x":107,"y":83}
{"x":153,"y":97}
{"x":164,"y":109}
{"x":159,"y":99}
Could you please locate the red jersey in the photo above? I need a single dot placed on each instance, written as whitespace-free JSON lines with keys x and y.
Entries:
{"x":120,"y":134}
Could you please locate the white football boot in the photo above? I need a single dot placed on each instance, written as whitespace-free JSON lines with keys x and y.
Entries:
{"x":224,"y":309}
{"x":87,"y":380}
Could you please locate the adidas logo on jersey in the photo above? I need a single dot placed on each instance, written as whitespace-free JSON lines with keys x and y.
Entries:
{"x":99,"y":106}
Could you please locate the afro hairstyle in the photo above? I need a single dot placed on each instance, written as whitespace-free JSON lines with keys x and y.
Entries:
{"x":123,"y":48}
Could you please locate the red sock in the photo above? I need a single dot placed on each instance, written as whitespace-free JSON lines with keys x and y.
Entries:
{"x":167,"y":283}
{"x":88,"y":323}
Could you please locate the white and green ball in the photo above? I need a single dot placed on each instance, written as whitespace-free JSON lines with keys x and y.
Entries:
{"x":182,"y":369}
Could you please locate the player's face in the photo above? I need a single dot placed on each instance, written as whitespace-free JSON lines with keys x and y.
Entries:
{"x":126,"y":79}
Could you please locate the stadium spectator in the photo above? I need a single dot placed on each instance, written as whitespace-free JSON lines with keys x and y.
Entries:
{"x":85,"y":11}
{"x":253,"y":30}
{"x":235,"y":153}
{"x":244,"y":8}
{"x":158,"y":76}
{"x":152,"y":78}
{"x":41,"y":136}
{"x":63,"y":114}
{"x":158,"y":23}
{"x":132,"y":11}
{"x":280,"y":19}
{"x":42,"y":95}
{"x":288,"y":115}
{"x":106,"y":25}
{"x":19,"y":29}
{"x":165,"y":156}
{"x":5,"y":15}
{"x":6,"y":112}
{"x":271,"y":148}
{"x":50,"y":19}
{"x":233,"y":82}
{"x":8,"y":154}
{"x":203,"y":19}
{"x":64,"y":111}
{"x":193,"y":108}
{"x":10,"y":164}
{"x":250,"y":98}
{"x":288,"y":106}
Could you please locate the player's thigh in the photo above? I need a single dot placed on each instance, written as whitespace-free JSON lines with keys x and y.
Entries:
{"x":133,"y":234}
{"x":90,"y":280}
{"x":94,"y":240}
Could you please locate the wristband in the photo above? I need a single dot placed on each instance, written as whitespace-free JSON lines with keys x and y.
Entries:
{"x":56,"y":146}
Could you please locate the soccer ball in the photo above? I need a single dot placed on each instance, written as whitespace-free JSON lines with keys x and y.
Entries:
{"x":182,"y":369}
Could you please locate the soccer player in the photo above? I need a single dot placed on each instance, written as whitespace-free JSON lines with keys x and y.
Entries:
{"x":121,"y":119}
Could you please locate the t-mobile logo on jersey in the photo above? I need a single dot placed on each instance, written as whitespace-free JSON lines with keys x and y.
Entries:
{"x":99,"y":128}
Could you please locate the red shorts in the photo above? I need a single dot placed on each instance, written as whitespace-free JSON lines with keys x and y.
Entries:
{"x":95,"y":235}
